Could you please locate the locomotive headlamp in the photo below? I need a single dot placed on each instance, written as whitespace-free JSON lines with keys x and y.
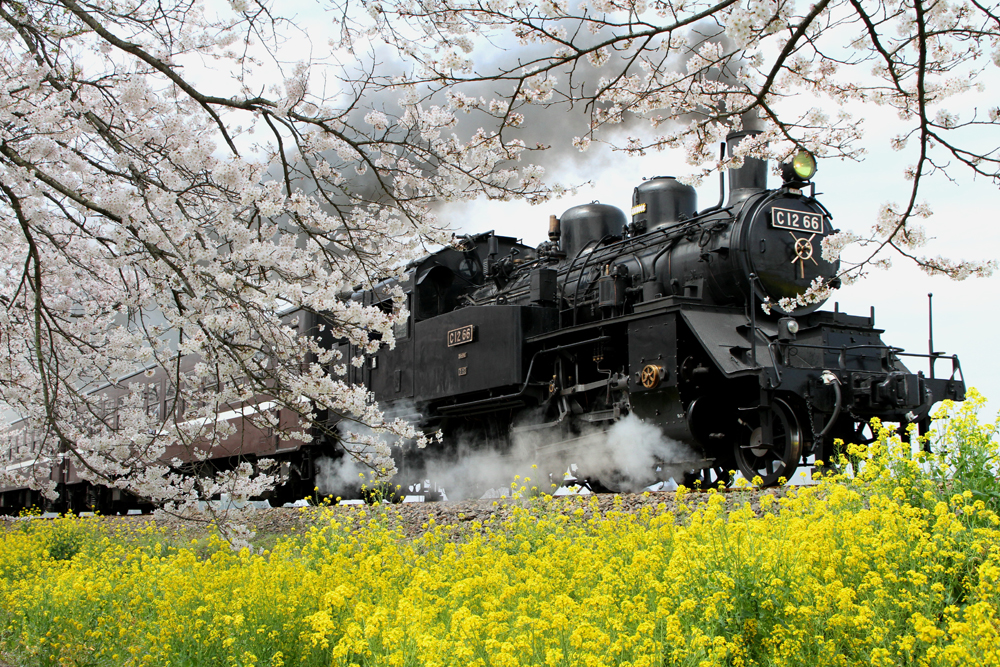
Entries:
{"x":787,"y":328}
{"x":800,"y":169}
{"x":804,"y":165}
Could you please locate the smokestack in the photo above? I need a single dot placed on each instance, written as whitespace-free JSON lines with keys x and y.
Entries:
{"x":751,"y":177}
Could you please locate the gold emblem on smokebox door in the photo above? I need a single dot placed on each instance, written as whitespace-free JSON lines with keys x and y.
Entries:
{"x":803,"y":251}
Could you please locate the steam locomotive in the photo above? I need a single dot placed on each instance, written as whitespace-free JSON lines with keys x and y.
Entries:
{"x":657,"y":319}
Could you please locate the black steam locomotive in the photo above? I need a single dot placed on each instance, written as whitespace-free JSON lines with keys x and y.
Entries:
{"x":659,"y":317}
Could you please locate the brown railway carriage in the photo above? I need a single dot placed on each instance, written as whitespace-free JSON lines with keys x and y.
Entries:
{"x":22,"y":450}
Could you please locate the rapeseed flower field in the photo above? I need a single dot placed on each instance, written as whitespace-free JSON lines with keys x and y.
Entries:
{"x":894,"y":561}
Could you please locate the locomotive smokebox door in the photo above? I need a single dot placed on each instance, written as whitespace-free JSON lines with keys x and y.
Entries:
{"x":784,"y":242}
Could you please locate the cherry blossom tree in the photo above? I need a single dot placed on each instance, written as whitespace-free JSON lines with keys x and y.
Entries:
{"x":170,"y":186}
{"x":142,"y":228}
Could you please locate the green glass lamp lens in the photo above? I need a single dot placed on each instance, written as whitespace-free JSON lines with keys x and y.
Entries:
{"x":804,"y":165}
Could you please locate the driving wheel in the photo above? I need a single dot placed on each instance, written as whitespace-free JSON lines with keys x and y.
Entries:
{"x":774,"y":460}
